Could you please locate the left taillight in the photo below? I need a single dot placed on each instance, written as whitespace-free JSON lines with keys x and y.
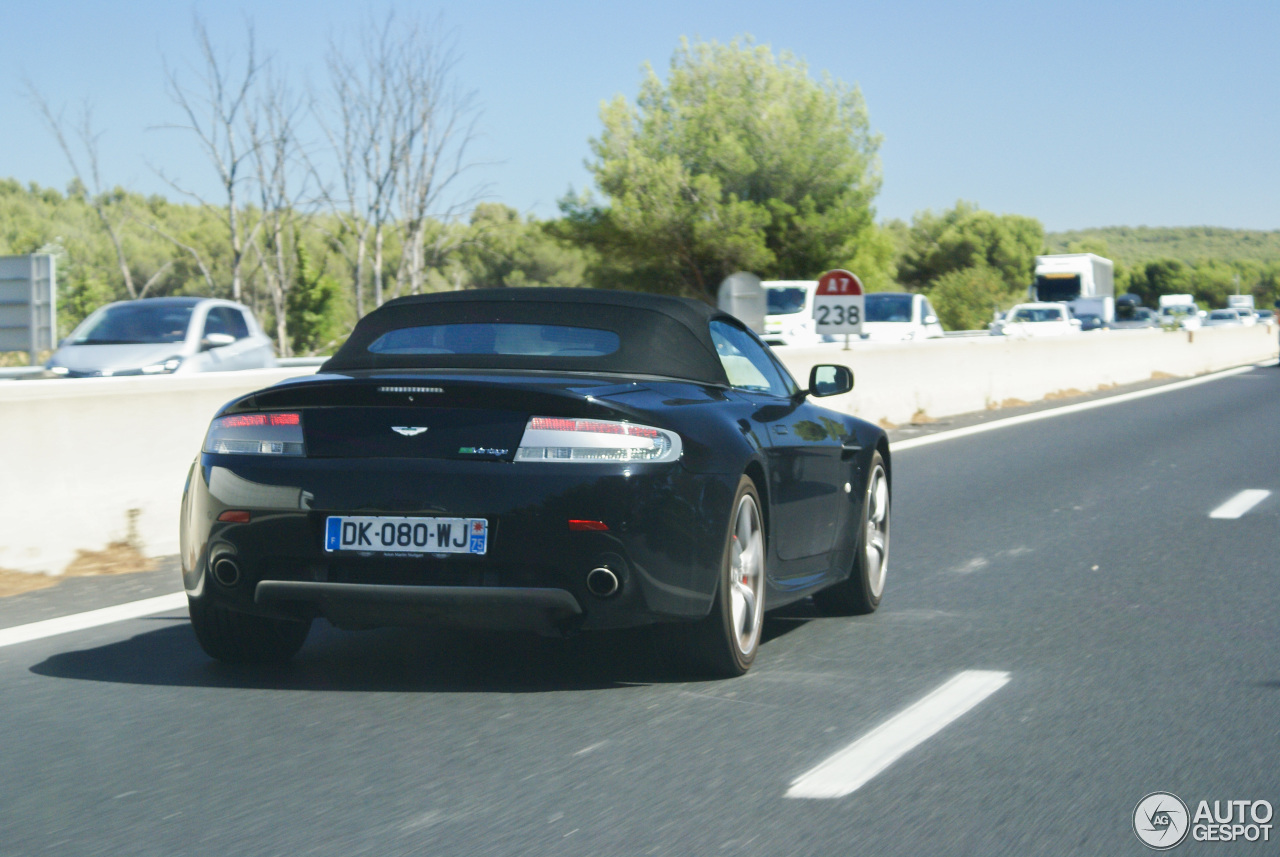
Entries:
{"x":256,"y":434}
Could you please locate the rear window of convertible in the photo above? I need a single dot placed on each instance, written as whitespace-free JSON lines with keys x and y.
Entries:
{"x":532,"y":340}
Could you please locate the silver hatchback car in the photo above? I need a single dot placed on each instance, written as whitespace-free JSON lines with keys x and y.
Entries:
{"x":164,"y":336}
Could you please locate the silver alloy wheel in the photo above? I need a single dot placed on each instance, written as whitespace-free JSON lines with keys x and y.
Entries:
{"x":877,"y":540}
{"x":746,"y":576}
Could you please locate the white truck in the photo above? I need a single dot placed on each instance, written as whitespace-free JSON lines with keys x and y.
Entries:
{"x":1240,"y":302}
{"x":1180,"y":310}
{"x":1243,"y":304}
{"x":1084,"y":281}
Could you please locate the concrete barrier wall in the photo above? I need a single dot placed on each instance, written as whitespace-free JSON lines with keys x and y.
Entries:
{"x":942,"y":377}
{"x":94,"y":461}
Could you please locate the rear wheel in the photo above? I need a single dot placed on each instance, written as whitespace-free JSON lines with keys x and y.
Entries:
{"x":241,"y":638}
{"x":726,"y":641}
{"x":862,"y":590}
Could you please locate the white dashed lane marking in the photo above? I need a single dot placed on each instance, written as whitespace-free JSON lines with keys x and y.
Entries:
{"x":855,"y":765}
{"x":92,"y":619}
{"x":1240,"y":504}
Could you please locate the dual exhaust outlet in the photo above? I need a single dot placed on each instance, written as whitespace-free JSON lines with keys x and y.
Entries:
{"x":602,"y":582}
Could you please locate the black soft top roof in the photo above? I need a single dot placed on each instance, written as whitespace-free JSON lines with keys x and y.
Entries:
{"x":658,"y":335}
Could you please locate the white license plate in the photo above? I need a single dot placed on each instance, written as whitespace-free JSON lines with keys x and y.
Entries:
{"x":387,"y":534}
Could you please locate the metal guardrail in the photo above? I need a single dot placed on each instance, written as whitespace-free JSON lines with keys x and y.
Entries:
{"x":15,"y":372}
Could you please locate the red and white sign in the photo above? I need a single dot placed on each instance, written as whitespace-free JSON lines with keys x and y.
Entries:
{"x":838,"y":304}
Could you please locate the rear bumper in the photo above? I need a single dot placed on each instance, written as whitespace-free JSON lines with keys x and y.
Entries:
{"x":546,"y":611}
{"x":664,"y":541}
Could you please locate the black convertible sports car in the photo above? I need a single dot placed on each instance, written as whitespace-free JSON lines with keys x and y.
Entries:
{"x":541,"y":459}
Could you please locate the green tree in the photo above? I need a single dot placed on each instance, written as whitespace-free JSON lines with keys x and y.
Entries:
{"x":968,"y":237}
{"x":312,"y":306}
{"x":502,"y":248}
{"x":738,"y":161}
{"x":967,"y":298}
{"x":1161,"y":277}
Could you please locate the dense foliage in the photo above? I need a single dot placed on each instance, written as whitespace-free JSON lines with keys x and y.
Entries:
{"x":497,"y":247}
{"x":738,"y":160}
{"x":1131,"y":245}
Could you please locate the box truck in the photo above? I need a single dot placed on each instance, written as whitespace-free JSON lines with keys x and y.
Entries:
{"x":1084,"y":281}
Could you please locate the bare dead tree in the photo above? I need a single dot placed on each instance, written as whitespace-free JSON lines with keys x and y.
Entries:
{"x":362,"y":130}
{"x":98,"y":198}
{"x":215,"y":113}
{"x":194,"y":253}
{"x":400,"y":130}
{"x":282,"y":183}
{"x":440,"y":127}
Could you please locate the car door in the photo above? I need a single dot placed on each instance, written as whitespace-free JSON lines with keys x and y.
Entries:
{"x":806,"y":466}
{"x":259,"y":352}
{"x":227,"y":320}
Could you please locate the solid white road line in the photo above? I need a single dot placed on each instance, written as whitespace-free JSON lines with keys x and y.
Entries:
{"x":92,"y":619}
{"x":855,"y":765}
{"x":1240,"y":504}
{"x":941,"y":436}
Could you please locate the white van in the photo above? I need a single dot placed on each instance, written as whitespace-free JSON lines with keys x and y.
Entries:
{"x":898,"y":316}
{"x":789,"y":313}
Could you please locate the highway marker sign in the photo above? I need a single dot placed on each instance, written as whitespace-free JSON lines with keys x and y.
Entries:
{"x":838,"y":303}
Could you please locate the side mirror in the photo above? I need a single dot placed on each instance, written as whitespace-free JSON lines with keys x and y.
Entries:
{"x":216,"y":340}
{"x":829,"y":379}
{"x":1075,"y":322}
{"x":930,"y":319}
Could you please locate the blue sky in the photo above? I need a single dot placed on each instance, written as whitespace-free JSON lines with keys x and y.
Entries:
{"x":1079,"y":114}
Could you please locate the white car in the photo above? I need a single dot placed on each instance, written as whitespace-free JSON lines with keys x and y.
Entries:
{"x":789,"y":313}
{"x":1037,"y":319}
{"x":1225,"y":318}
{"x":1185,"y":316}
{"x":897,"y":316}
{"x":164,"y":336}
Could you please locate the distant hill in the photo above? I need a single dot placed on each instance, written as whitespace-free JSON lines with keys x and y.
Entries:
{"x":1130,"y":245}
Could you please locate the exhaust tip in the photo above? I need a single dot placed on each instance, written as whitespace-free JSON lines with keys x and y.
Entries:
{"x":226,"y":572}
{"x":602,"y":582}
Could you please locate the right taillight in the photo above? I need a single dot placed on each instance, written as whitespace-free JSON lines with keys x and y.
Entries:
{"x":568,"y":439}
{"x":256,"y":434}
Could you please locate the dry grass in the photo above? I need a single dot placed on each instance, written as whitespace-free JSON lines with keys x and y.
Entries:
{"x":1014,"y":403}
{"x":1069,"y":393}
{"x":17,"y":582}
{"x":920,"y":418}
{"x":886,"y":425}
{"x":1162,"y":376}
{"x":117,"y":558}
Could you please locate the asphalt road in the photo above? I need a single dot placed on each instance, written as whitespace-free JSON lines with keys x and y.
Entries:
{"x":1076,"y":554}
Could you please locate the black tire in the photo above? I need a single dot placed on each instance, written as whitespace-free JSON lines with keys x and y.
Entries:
{"x":724,"y":643}
{"x":862,"y":590}
{"x":241,"y":638}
